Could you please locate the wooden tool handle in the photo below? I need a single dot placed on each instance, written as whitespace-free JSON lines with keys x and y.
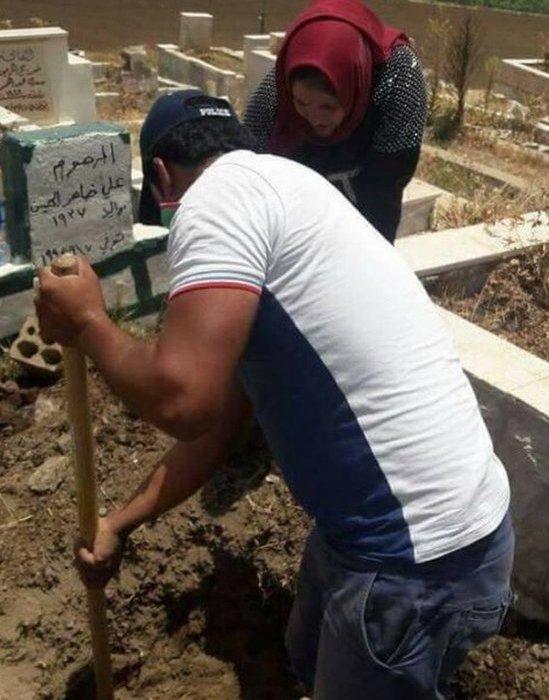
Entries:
{"x":76,"y":380}
{"x":65,"y":265}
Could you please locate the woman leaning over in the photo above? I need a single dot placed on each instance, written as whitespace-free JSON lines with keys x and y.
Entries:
{"x":347,"y":98}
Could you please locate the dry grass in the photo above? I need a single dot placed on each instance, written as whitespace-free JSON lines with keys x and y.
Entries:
{"x":479,"y":199}
{"x":513,"y":302}
{"x":488,"y":206}
{"x":485,"y":147}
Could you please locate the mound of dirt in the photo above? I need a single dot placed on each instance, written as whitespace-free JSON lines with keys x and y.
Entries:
{"x":201,"y":604}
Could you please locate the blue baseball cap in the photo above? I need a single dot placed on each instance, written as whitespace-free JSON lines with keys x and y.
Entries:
{"x":168,"y":112}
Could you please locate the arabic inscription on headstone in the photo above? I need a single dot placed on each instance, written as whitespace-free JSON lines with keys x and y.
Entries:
{"x":79,"y":197}
{"x":24,"y":84}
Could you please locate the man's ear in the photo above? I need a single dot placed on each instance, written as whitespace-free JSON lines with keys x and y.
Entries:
{"x":163,"y":181}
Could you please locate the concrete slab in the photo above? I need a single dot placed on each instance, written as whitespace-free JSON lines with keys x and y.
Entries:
{"x":519,"y":77}
{"x":512,"y":387}
{"x":253,"y":42}
{"x":418,"y":205}
{"x":10,"y":121}
{"x":499,"y":362}
{"x":541,"y":132}
{"x":159,"y":273}
{"x":78,"y":104}
{"x":442,"y":251}
{"x":173,"y":65}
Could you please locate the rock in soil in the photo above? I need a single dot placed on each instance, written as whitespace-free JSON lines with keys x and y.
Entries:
{"x":50,"y":475}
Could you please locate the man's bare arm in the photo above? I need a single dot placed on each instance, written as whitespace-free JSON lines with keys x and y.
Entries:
{"x":180,"y":382}
{"x":183,"y":469}
{"x":177,"y":475}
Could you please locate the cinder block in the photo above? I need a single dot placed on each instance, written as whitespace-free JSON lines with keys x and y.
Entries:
{"x":68,"y":190}
{"x":31,"y":351}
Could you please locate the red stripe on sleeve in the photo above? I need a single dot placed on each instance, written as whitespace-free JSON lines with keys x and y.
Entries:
{"x":216,"y":285}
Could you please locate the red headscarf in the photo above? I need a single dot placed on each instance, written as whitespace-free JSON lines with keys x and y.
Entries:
{"x":344,"y":40}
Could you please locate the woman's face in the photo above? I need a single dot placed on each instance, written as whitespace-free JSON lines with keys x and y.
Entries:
{"x":323,"y":111}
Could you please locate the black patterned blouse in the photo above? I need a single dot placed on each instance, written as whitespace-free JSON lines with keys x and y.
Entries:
{"x":377,"y":161}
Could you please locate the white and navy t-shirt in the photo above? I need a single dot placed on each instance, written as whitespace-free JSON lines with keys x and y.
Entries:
{"x":353,"y":378}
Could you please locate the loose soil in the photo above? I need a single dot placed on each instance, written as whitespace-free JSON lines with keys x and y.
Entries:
{"x":201,"y":604}
{"x":514,"y":302}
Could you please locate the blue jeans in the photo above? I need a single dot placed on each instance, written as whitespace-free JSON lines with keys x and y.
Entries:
{"x":362,"y":630}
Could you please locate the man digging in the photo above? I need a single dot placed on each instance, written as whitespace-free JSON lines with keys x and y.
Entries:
{"x":283,"y":295}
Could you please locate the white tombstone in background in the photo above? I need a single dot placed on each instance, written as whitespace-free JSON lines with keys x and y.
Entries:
{"x":79,"y":93}
{"x":195,"y":31}
{"x":253,"y":42}
{"x":275,"y":41}
{"x":41,"y":81}
{"x":259,"y":64}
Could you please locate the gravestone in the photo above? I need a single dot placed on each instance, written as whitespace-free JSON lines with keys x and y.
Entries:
{"x":67,"y":189}
{"x":41,"y":81}
{"x":195,"y":31}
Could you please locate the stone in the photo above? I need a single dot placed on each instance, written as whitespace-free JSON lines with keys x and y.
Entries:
{"x":522,"y":77}
{"x":195,"y":31}
{"x":518,"y":111}
{"x":30,"y":59}
{"x":418,"y":204}
{"x":182,"y":69}
{"x":45,"y":408}
{"x":135,"y":60}
{"x":470,"y":246}
{"x":49,"y":476}
{"x":68,"y":190}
